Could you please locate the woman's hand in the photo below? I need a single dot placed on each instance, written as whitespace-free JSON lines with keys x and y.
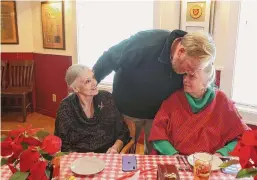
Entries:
{"x":115,"y":149}
{"x":112,"y":150}
{"x":217,"y":154}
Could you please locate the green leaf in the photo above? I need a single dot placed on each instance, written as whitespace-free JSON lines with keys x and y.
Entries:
{"x":228,"y":163}
{"x":47,"y":172}
{"x":42,"y":134}
{"x":19,"y":176}
{"x":3,"y":137}
{"x":47,"y":157}
{"x":61,"y":154}
{"x":24,"y":145}
{"x":42,"y":152}
{"x":250,"y":172}
{"x":4,"y":161}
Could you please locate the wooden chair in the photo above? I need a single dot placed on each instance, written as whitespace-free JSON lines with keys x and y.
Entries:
{"x":20,"y":85}
{"x":131,"y":146}
{"x":3,"y":80}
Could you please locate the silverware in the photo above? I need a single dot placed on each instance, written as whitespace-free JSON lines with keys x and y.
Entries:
{"x":184,"y":161}
{"x":178,"y":158}
{"x":186,"y":165}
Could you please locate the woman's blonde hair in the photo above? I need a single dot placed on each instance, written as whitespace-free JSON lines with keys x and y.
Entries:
{"x":210,"y":73}
{"x":199,"y":44}
{"x":73,"y":72}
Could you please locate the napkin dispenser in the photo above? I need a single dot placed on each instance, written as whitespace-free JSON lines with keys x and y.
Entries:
{"x":167,"y":172}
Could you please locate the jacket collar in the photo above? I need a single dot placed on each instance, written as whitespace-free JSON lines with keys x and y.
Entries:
{"x":165,"y":54}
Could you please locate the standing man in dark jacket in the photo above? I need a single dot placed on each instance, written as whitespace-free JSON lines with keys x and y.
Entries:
{"x":149,"y":67}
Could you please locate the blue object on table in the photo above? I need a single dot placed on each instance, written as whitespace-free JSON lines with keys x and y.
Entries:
{"x":233,"y":169}
{"x":129,"y":163}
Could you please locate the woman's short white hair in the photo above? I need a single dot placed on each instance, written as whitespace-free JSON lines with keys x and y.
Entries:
{"x":210,"y":73}
{"x":73,"y":72}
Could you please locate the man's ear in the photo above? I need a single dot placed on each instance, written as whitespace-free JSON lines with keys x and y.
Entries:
{"x":181,"y":50}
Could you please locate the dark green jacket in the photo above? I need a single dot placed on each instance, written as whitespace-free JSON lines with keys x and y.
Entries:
{"x":144,"y":76}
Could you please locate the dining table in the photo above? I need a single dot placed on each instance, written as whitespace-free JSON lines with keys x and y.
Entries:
{"x":147,"y":164}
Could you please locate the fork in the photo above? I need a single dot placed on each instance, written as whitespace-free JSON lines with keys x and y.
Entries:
{"x":180,"y":168}
{"x":183,"y":159}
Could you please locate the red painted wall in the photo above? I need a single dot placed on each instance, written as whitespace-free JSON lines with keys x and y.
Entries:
{"x":17,"y":56}
{"x":217,"y":82}
{"x":49,"y":79}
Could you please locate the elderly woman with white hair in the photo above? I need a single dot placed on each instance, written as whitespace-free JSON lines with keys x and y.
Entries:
{"x":197,"y":118}
{"x":88,"y":120}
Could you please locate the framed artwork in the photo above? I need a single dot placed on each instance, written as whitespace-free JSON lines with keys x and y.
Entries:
{"x":196,"y":11}
{"x":9,"y":28}
{"x":52,"y":13}
{"x":197,"y":15}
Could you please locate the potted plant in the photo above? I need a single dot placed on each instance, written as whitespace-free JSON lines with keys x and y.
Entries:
{"x":246,"y":151}
{"x":30,"y":153}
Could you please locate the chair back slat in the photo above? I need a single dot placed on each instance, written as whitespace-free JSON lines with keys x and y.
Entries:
{"x":24,"y":75}
{"x":3,"y":73}
{"x":21,"y":73}
{"x":18,"y":76}
{"x":31,"y":75}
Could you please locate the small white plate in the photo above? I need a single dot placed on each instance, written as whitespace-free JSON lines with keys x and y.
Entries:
{"x":216,"y":161}
{"x":87,"y":166}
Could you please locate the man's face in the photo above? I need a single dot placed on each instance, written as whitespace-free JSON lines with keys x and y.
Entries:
{"x":182,"y":63}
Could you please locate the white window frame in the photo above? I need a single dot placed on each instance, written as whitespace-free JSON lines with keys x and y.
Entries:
{"x":248,"y":113}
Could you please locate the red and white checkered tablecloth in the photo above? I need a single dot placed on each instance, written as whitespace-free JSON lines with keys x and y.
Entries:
{"x":5,"y":172}
{"x":113,"y":167}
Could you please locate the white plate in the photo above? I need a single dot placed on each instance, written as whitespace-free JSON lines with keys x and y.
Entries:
{"x":87,"y":166}
{"x":216,"y":161}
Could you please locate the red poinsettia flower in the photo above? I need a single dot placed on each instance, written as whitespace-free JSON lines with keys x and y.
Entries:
{"x":249,"y":138}
{"x":28,"y":159}
{"x":6,"y":147}
{"x":38,"y":171}
{"x":15,"y":133}
{"x":12,"y":168}
{"x":22,"y":130}
{"x":11,"y":147}
{"x":51,"y":144}
{"x":246,"y":149}
{"x":17,"y":150}
{"x":31,"y":141}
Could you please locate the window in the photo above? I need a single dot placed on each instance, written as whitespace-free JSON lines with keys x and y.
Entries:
{"x":245,"y":78}
{"x":102,"y":24}
{"x":238,"y":78}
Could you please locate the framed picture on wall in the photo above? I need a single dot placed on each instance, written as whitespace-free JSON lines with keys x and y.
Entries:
{"x":9,"y":28}
{"x":197,"y":15}
{"x":196,"y":11}
{"x":52,"y":13}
